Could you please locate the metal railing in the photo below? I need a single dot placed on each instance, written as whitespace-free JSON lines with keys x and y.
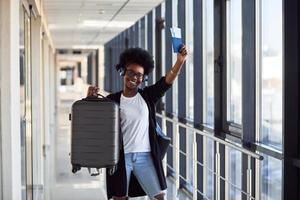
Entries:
{"x":176,"y":124}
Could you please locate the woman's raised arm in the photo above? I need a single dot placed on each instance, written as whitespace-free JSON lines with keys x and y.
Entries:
{"x":175,"y":70}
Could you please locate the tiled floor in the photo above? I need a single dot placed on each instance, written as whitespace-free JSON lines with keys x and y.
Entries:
{"x":79,"y":186}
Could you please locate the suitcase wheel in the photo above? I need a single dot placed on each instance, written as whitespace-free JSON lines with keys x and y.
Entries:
{"x":75,"y":168}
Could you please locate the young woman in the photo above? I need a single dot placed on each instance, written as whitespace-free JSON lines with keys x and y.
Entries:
{"x":140,"y":170}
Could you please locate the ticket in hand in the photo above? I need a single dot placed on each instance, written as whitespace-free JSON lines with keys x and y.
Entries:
{"x":176,"y":38}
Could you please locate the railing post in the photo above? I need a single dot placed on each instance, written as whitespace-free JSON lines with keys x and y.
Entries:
{"x":249,"y":178}
{"x":164,"y":129}
{"x":217,"y":170}
{"x":195,"y":184}
{"x":176,"y":155}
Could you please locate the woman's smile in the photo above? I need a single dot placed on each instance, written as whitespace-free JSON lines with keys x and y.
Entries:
{"x":133,"y":82}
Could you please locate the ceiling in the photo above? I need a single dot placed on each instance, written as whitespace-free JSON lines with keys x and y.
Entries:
{"x":89,"y":23}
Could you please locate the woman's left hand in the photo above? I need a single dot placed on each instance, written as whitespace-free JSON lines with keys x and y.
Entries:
{"x":181,"y":56}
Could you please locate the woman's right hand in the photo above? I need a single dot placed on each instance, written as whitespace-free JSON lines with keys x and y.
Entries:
{"x":92,"y":91}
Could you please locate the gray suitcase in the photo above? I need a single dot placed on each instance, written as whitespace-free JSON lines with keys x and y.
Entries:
{"x":95,"y":140}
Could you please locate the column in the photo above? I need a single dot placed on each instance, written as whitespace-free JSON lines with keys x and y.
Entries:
{"x":10,"y":152}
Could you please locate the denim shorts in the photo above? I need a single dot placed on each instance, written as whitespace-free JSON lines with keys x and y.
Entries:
{"x":141,"y":165}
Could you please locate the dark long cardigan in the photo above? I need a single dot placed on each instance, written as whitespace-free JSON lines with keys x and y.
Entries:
{"x":116,"y":183}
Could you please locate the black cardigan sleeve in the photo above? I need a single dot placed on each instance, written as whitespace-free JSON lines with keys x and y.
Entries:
{"x":158,"y":90}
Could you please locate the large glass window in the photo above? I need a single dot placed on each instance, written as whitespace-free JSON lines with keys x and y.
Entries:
{"x":189,"y":30}
{"x":142,"y":33}
{"x":269,"y":67}
{"x":22,"y":102}
{"x":189,"y":62}
{"x":233,"y":174}
{"x":208,"y":62}
{"x":154,"y":78}
{"x":175,"y":84}
{"x":270,"y":174}
{"x":28,"y":106}
{"x":209,"y":157}
{"x":269,"y":44}
{"x":234,"y":61}
{"x":163,"y":48}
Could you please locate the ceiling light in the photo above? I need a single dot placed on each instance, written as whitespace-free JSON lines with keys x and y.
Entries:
{"x":101,"y":12}
{"x":101,"y":24}
{"x":86,"y":46}
{"x":94,"y":23}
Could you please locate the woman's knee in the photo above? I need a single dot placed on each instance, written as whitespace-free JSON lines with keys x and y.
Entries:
{"x":160,"y":196}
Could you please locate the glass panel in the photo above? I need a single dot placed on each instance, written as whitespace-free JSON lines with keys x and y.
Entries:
{"x":234,"y":61}
{"x":271,"y":178}
{"x":208,"y":62}
{"x":189,"y":30}
{"x":175,"y":84}
{"x":28,"y":108}
{"x":145,"y":37}
{"x":153,"y":45}
{"x":142,"y":33}
{"x":190,"y":157}
{"x":22,"y":102}
{"x":234,"y":174}
{"x":209,"y":160}
{"x":270,"y":69}
{"x":163,"y":49}
{"x":189,"y":62}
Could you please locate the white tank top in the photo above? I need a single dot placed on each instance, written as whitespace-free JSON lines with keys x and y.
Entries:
{"x":134,"y":115}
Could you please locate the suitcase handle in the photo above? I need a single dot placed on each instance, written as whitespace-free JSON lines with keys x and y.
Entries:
{"x":102,"y":96}
{"x":95,"y":98}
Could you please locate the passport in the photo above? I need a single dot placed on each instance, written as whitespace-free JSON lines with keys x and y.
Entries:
{"x":176,"y":38}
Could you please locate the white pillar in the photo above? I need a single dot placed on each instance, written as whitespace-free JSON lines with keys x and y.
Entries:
{"x":47,"y":108}
{"x":10,"y":147}
{"x":37,"y":108}
{"x":101,"y":68}
{"x":53,"y":117}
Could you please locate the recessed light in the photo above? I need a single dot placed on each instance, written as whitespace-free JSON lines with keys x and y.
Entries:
{"x":101,"y":12}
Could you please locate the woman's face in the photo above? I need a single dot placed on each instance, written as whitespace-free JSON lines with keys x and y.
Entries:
{"x":133,"y":76}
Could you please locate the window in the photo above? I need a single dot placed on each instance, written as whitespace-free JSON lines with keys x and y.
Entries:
{"x":269,"y":68}
{"x":28,"y":105}
{"x":189,"y":30}
{"x":208,"y":63}
{"x":163,"y":48}
{"x":175,"y":84}
{"x":189,"y":62}
{"x":269,"y":47}
{"x":154,"y":78}
{"x":208,"y":180}
{"x":233,"y":173}
{"x":22,"y":101}
{"x":270,"y":178}
{"x":234,"y":61}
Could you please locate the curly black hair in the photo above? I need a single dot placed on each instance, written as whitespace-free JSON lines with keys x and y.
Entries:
{"x":136,"y":56}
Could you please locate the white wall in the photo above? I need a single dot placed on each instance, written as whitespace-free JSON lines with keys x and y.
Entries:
{"x":10,"y":100}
